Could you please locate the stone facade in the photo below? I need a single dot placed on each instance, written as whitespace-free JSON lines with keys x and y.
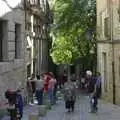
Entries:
{"x":38,"y":22}
{"x":12,"y":72}
{"x":108,"y":36}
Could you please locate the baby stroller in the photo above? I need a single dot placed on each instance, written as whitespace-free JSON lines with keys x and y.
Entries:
{"x":93,"y":103}
{"x":13,"y":99}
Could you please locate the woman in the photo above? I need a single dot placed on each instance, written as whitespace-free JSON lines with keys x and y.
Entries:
{"x":51,"y":87}
{"x":69,"y":95}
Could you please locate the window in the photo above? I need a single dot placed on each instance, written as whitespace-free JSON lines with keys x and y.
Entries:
{"x":17,"y":41}
{"x":101,"y":23}
{"x":29,"y":70}
{"x":106,"y":27}
{"x":1,"y":37}
{"x":33,"y":2}
{"x":105,"y":71}
{"x":119,"y":67}
{"x":119,"y":10}
{"x":34,"y":66}
{"x":108,"y":4}
{"x":3,"y":40}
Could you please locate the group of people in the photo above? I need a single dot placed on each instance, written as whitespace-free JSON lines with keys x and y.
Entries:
{"x":40,"y":85}
{"x":46,"y":84}
{"x":91,"y":84}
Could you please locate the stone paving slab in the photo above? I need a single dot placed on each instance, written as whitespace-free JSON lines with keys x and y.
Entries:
{"x":106,"y":111}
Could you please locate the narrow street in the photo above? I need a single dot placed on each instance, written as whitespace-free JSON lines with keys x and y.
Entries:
{"x":47,"y":43}
{"x":106,"y":111}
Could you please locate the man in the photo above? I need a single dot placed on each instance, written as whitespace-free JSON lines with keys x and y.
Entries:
{"x":29,"y":91}
{"x":19,"y":105}
{"x":90,"y":81}
{"x":39,"y":89}
{"x":96,"y":94}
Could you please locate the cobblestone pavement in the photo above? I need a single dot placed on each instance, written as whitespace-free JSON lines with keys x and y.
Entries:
{"x":106,"y":111}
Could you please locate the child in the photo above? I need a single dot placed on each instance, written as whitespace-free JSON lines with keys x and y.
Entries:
{"x":93,"y":103}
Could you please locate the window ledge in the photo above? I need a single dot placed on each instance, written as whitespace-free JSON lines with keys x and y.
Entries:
{"x":18,"y":60}
{"x":4,"y":63}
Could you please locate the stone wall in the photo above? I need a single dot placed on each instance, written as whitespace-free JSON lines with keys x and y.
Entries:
{"x":110,"y":46}
{"x":12,"y":71}
{"x":117,"y":71}
{"x":11,"y":78}
{"x":105,"y":68}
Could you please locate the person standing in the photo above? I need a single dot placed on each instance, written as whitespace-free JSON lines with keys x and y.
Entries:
{"x":46,"y":78}
{"x":96,"y":94}
{"x":29,"y":91}
{"x":33,"y":83}
{"x":51,"y":87}
{"x":19,"y":105}
{"x":11,"y":96}
{"x":69,"y":95}
{"x":90,"y":82}
{"x":82,"y":82}
{"x":39,"y":89}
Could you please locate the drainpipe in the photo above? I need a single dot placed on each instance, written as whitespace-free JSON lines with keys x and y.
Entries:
{"x":112,"y":43}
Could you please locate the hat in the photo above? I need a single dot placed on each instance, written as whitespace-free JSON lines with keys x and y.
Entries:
{"x":88,"y":72}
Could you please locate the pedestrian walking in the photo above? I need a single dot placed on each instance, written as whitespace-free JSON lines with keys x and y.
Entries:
{"x":33,"y":83}
{"x":29,"y":91}
{"x":39,"y":89}
{"x":16,"y":104}
{"x":90,"y":82}
{"x":46,"y":77}
{"x":69,"y":95}
{"x":19,"y":105}
{"x":82,"y":82}
{"x":96,"y":94}
{"x":10,"y":95}
{"x":51,"y":88}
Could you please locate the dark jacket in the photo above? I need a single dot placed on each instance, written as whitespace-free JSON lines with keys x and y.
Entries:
{"x":91,"y":84}
{"x":69,"y":91}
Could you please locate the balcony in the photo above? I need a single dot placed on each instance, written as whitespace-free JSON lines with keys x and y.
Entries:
{"x":34,"y":6}
{"x":32,"y":3}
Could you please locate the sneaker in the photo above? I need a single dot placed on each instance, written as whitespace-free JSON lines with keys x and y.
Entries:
{"x":31,"y":104}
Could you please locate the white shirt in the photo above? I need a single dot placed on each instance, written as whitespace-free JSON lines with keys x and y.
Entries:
{"x":39,"y":84}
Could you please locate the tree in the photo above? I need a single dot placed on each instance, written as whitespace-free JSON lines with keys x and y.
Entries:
{"x":74,"y":30}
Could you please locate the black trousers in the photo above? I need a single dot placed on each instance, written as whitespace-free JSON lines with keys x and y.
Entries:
{"x":69,"y":104}
{"x":12,"y":114}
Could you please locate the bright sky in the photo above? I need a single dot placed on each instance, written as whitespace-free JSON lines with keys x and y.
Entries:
{"x":4,"y":7}
{"x":13,"y":3}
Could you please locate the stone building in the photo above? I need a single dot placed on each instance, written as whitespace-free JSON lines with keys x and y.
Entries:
{"x":108,"y":45}
{"x":38,"y":20}
{"x":12,"y":22}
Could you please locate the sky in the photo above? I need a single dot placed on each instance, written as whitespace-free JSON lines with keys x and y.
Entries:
{"x":6,"y":5}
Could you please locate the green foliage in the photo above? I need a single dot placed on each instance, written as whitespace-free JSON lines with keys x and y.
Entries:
{"x":64,"y":50}
{"x":72,"y":20}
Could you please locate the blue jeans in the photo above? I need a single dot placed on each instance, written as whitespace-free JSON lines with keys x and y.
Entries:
{"x":51,"y":96}
{"x":39,"y":95}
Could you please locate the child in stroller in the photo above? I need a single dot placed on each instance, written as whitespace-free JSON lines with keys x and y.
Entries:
{"x":93,"y":103}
